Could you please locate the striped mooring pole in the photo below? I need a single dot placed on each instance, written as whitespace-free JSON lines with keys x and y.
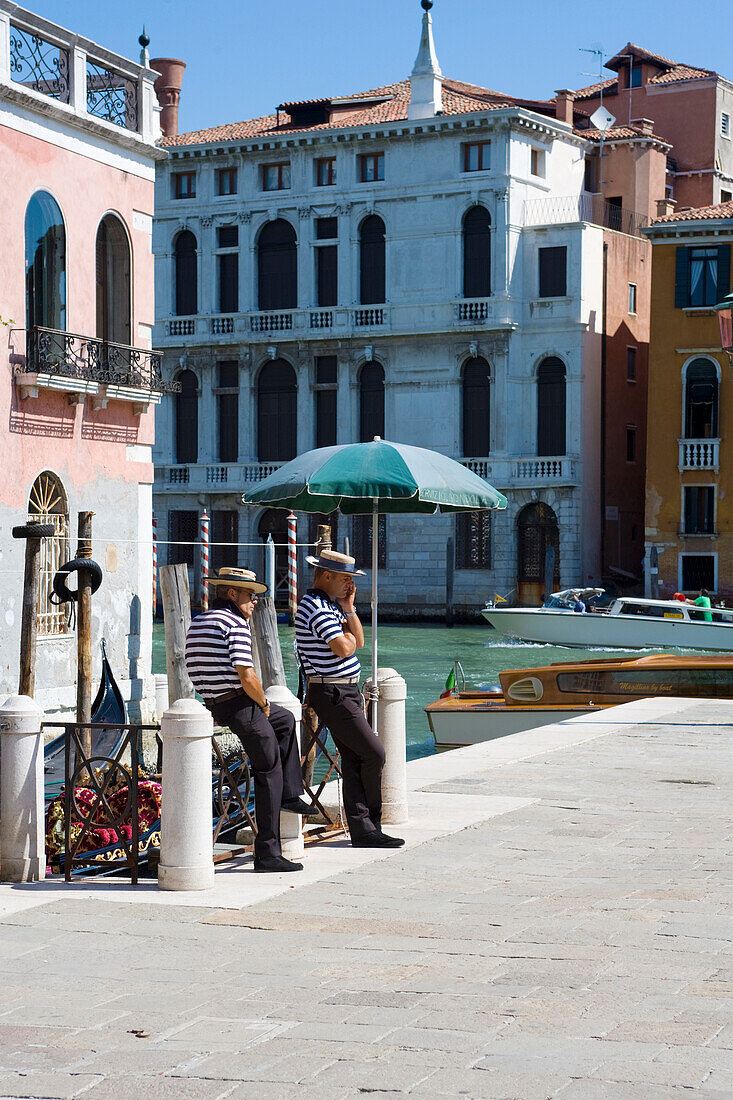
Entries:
{"x":292,"y":567}
{"x":204,"y":560}
{"x":155,"y":565}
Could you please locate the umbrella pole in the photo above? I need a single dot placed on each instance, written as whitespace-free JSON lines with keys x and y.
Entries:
{"x":375,"y":568}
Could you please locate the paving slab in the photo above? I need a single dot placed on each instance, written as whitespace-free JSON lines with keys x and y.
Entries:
{"x":556,"y":926}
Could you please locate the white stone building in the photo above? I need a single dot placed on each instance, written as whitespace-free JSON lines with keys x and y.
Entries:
{"x":419,"y":262}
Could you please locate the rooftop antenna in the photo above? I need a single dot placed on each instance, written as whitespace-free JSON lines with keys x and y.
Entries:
{"x":602,"y":118}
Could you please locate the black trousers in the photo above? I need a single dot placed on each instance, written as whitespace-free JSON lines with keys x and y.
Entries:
{"x":274,"y":759}
{"x":362,"y":754}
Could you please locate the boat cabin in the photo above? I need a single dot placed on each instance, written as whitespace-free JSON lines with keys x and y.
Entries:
{"x":669,"y":609}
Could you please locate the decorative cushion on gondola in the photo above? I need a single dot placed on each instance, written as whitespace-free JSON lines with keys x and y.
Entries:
{"x":102,"y":833}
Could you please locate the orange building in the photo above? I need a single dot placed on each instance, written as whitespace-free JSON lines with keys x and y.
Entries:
{"x":689,"y":485}
{"x":691,"y":108}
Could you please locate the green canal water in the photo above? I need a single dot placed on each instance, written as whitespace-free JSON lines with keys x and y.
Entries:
{"x":424,"y":655}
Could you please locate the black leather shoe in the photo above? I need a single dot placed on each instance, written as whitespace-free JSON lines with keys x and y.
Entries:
{"x":298,"y":806}
{"x":275,"y":864}
{"x":376,"y":839}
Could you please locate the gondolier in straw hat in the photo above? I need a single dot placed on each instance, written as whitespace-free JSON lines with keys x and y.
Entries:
{"x":328,"y":634}
{"x":219,"y":662}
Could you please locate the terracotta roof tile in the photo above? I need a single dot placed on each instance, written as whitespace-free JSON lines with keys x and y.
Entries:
{"x":458,"y":98}
{"x":673,"y":71}
{"x":698,"y":214}
{"x":616,"y":132}
{"x":682,"y":72}
{"x":593,"y":89}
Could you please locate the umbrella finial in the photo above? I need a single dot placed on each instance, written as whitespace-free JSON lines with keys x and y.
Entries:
{"x":377,"y":439}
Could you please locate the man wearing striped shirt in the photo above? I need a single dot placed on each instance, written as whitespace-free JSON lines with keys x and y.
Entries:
{"x":328,"y":633}
{"x":219,"y":662}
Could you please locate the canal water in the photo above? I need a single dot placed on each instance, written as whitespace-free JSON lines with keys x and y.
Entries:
{"x":424,"y":656}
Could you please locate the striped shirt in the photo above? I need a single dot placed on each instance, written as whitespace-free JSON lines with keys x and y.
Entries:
{"x":216,"y":643}
{"x":318,"y":621}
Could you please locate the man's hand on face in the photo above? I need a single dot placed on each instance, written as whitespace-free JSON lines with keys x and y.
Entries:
{"x":346,"y":600}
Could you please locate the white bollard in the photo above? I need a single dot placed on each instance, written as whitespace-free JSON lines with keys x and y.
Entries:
{"x":291,"y":832}
{"x":22,"y":832}
{"x":393,"y":735}
{"x":186,"y":848}
{"x":161,"y":694}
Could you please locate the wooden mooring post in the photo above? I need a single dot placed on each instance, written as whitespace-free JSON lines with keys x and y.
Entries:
{"x":176,"y":599}
{"x":32,"y":533}
{"x":84,"y":632}
{"x":267,"y":643}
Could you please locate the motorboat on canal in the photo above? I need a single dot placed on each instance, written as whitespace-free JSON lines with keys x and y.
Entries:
{"x":533,"y":697}
{"x":630,"y":622}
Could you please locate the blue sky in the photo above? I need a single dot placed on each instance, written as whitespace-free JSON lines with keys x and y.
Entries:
{"x":246,"y":56}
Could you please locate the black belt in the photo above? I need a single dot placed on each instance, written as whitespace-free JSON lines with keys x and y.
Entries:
{"x":225,"y":697}
{"x":333,"y":679}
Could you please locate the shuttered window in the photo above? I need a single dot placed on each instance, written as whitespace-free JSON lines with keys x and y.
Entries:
{"x":551,"y":407}
{"x":277,"y":417}
{"x":183,"y":534}
{"x":476,"y":408}
{"x":224,"y":529}
{"x":473,"y":540}
{"x":186,"y":274}
{"x":699,"y":509}
{"x":371,"y":402}
{"x":187,"y":418}
{"x":701,"y":400}
{"x":372,"y":261}
{"x":553,"y":272}
{"x":698,"y":571}
{"x":277,"y":266}
{"x":702,"y":276}
{"x":362,"y":549}
{"x":326,"y":395}
{"x":477,"y":253}
{"x":227,"y":400}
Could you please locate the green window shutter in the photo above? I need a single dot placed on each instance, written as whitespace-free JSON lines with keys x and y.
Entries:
{"x":723,"y":271}
{"x":682,"y":278}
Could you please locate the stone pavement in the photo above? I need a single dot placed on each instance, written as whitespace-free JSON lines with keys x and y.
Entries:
{"x":576,"y":943}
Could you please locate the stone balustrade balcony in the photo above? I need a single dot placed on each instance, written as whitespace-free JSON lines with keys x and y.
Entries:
{"x":699,"y":454}
{"x":216,"y":477}
{"x":507,"y":472}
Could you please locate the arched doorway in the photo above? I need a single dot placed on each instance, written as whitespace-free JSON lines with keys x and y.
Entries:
{"x":477,"y":253}
{"x":275,"y":522}
{"x":187,"y":417}
{"x":45,"y":263}
{"x":371,"y":402}
{"x":277,"y":266}
{"x":113,"y":282}
{"x":372,"y":273}
{"x":277,"y":412}
{"x":537,"y":532}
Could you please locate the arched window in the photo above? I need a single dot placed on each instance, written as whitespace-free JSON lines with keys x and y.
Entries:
{"x":45,"y":263}
{"x":372,"y":284}
{"x":537,"y":532}
{"x":187,"y":418}
{"x":371,"y":402}
{"x":476,"y":408}
{"x":187,"y":293}
{"x":113,"y":282}
{"x":48,"y":504}
{"x":277,"y":266}
{"x":551,"y":407}
{"x":701,"y":400}
{"x":277,"y":416}
{"x":477,"y":253}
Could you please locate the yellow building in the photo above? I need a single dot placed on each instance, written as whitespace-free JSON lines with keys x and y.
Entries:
{"x":689,"y":479}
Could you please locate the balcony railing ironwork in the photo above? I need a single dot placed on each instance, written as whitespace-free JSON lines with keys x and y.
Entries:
{"x":111,"y":96}
{"x":699,"y":454}
{"x":583,"y":208}
{"x":50,"y":351}
{"x":39,"y":64}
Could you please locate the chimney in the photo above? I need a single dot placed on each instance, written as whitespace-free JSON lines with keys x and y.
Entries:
{"x":426,"y":80}
{"x":564,"y":101}
{"x":646,"y":125}
{"x":665,"y":206}
{"x":168,"y":90}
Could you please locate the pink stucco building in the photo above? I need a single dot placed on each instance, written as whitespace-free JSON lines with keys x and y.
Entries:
{"x":79,"y":382}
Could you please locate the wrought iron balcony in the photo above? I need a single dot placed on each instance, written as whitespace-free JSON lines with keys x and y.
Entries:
{"x":89,"y":360}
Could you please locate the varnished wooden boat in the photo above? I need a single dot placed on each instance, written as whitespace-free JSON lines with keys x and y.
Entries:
{"x":532,"y":697}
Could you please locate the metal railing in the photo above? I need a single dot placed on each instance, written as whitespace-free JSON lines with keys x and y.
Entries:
{"x":70,"y":355}
{"x":583,"y":208}
{"x":699,"y":454}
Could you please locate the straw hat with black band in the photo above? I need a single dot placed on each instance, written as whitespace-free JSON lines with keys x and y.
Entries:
{"x":231,"y":577}
{"x":335,"y":563}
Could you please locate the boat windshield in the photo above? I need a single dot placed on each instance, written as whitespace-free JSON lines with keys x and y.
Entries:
{"x":563,"y":600}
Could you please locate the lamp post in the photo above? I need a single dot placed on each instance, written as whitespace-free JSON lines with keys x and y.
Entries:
{"x":724,"y":310}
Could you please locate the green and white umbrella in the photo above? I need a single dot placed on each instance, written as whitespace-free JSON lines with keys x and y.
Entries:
{"x":373,"y":478}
